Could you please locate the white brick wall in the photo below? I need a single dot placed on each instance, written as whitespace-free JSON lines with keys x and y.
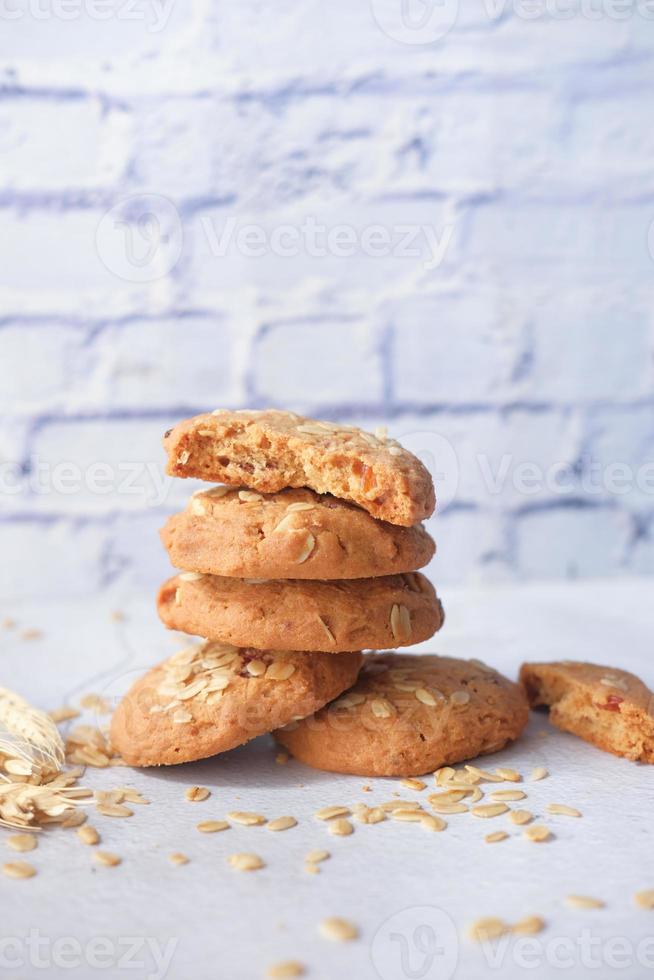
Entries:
{"x":219,"y":203}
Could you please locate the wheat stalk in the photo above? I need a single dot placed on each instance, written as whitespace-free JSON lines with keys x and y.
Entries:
{"x":28,"y":734}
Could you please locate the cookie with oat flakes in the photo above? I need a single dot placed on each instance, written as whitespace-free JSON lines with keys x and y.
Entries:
{"x":209,"y":698}
{"x":610,"y":708}
{"x":270,"y":450}
{"x":290,"y":534}
{"x":293,"y":614}
{"x":410,"y":714}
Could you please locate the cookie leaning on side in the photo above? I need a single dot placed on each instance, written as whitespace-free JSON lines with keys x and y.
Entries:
{"x":211,"y":698}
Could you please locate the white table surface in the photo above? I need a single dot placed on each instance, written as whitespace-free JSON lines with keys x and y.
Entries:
{"x":411,"y":893}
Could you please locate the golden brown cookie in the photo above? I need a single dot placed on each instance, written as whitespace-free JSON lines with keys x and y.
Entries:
{"x":209,"y":698}
{"x":293,"y":614}
{"x":290,"y":534}
{"x":409,"y":714}
{"x":271,"y":450}
{"x":608,"y":707}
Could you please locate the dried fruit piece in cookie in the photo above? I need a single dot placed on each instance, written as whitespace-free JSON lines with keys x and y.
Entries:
{"x":293,"y":614}
{"x":410,"y":714}
{"x":271,"y":450}
{"x":209,"y":698}
{"x":289,"y":534}
{"x":608,"y":707}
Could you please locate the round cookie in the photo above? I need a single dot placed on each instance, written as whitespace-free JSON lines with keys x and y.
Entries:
{"x":408,"y":715}
{"x":210,"y":698}
{"x":291,"y":534}
{"x":271,"y":450}
{"x":291,"y":614}
{"x":608,"y":707}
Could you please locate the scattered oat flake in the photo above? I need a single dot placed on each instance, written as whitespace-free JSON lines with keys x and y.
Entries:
{"x":282,"y":758}
{"x":246,"y":818}
{"x":8,"y":623}
{"x":369,"y":815}
{"x":520,"y":816}
{"x":117,"y":616}
{"x":537,"y":833}
{"x":496,"y":837}
{"x":285,"y":970}
{"x":31,"y":634}
{"x":311,"y":868}
{"x":584,"y":902}
{"x":88,"y":835}
{"x":19,"y":869}
{"x":74,"y":819}
{"x":562,"y":810}
{"x":508,"y":795}
{"x":114,"y":810}
{"x":107,"y":858}
{"x":539,"y":773}
{"x":407,"y":815}
{"x":315,"y":857}
{"x":329,"y":812}
{"x":510,"y":775}
{"x":446,"y":808}
{"x":246,"y":862}
{"x":133,"y":796}
{"x":94,"y":702}
{"x":489,"y":810}
{"x":416,"y":784}
{"x":645,"y":900}
{"x":483,"y":775}
{"x":340,"y":827}
{"x":529,"y":926}
{"x":22,"y":842}
{"x":196,"y":794}
{"x":430,"y":822}
{"x":178,"y":858}
{"x":212,"y":826}
{"x":487,"y":928}
{"x":282,"y":823}
{"x":337,"y":929}
{"x":65,"y":713}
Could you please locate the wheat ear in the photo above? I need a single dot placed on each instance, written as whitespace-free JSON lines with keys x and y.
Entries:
{"x":27,"y":733}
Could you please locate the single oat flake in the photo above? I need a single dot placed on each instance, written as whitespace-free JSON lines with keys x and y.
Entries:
{"x":338,"y":930}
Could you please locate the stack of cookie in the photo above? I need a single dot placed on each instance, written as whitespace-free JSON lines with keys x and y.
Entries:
{"x":302,"y":553}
